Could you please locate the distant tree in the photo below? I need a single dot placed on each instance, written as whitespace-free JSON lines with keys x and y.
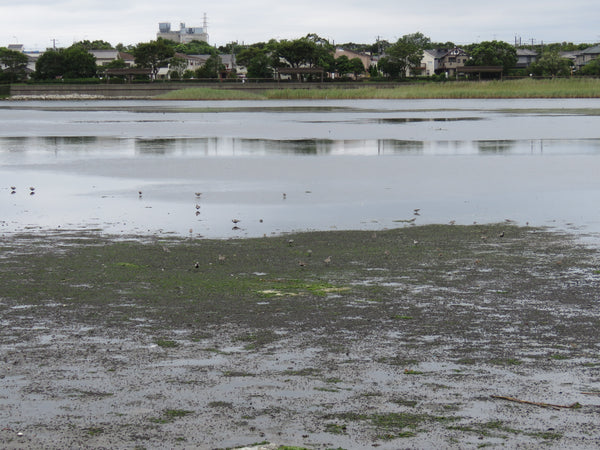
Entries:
{"x":195,"y":48}
{"x":15,"y":65}
{"x":296,"y":53}
{"x":405,"y":55}
{"x":357,"y":67}
{"x":492,"y":53}
{"x":115,"y":64}
{"x":343,"y":66}
{"x":177,"y":66}
{"x":79,"y":63}
{"x":93,"y":45}
{"x":592,"y":68}
{"x":212,"y":68}
{"x":50,"y":65}
{"x":153,"y":55}
{"x":260,"y":66}
{"x":232,"y":48}
{"x":124,"y":48}
{"x":390,"y":67}
{"x":551,"y":64}
{"x":379,"y":47}
{"x":434,"y":45}
{"x":73,"y":62}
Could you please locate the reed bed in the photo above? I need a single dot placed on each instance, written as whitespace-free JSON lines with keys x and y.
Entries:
{"x":210,"y":94}
{"x":523,"y":88}
{"x":526,"y":88}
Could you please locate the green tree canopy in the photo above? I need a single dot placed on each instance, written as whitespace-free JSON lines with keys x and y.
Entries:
{"x":15,"y":65}
{"x":93,"y":45}
{"x":342,"y":66}
{"x":551,"y":64}
{"x":357,"y":67}
{"x":404,"y":56}
{"x":195,"y":48}
{"x":492,"y":53}
{"x":212,"y":68}
{"x":73,"y":62}
{"x":590,"y":69}
{"x":153,"y":55}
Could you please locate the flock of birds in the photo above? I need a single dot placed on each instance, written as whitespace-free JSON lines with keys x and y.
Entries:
{"x":13,"y":190}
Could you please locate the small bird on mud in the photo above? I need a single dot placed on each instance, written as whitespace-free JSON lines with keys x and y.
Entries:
{"x":327,"y":260}
{"x":197,"y":265}
{"x":501,"y":234}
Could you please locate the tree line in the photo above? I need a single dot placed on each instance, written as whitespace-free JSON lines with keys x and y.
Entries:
{"x":396,"y":60}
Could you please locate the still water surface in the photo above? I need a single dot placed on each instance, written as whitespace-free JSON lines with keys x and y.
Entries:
{"x":280,"y":166}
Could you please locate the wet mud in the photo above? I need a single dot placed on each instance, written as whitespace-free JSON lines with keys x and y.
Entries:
{"x":420,"y":337}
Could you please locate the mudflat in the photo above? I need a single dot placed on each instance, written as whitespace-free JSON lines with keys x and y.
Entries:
{"x":437,"y":336}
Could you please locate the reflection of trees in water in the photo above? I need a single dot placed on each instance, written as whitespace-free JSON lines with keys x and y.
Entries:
{"x":69,"y":140}
{"x":399,"y":146}
{"x":295,"y":146}
{"x":496,"y":146}
{"x":14,"y":144}
{"x":155,"y":146}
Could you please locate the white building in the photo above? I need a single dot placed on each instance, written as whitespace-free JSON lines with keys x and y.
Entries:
{"x":185,"y":34}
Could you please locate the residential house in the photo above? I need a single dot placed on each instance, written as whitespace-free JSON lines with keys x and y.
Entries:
{"x":194,"y":62}
{"x":105,"y":57}
{"x":448,"y":61}
{"x":525,"y":58}
{"x":585,"y":56}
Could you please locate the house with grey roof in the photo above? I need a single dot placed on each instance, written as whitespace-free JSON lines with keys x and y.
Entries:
{"x":587,"y":55}
{"x":525,"y":58}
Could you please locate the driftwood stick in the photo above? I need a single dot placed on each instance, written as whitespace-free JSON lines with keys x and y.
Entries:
{"x":544,"y":405}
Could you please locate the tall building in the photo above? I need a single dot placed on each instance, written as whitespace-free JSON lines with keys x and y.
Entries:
{"x":184,"y":34}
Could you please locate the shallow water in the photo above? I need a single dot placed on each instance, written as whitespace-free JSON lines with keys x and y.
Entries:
{"x":341,"y":164}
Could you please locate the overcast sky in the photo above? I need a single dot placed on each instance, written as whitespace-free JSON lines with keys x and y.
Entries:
{"x":36,"y":23}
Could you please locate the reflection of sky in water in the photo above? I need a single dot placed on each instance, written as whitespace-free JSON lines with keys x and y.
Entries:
{"x":360,"y":165}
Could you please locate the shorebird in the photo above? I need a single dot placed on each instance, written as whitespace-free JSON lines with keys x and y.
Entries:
{"x":222,"y":258}
{"x":501,"y":234}
{"x":198,"y":194}
{"x":327,"y":260}
{"x":197,"y":206}
{"x":14,"y":188}
{"x":236,"y":220}
{"x":290,"y":242}
{"x":32,"y":189}
{"x":197,"y":265}
{"x":284,"y":196}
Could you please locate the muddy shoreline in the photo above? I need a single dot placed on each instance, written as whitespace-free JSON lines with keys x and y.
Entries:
{"x":392,"y":339}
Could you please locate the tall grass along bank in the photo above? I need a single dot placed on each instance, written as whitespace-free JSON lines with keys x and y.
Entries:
{"x":525,"y":88}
